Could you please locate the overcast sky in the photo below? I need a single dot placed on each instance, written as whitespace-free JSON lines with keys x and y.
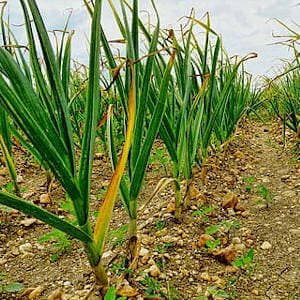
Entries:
{"x":245,"y":25}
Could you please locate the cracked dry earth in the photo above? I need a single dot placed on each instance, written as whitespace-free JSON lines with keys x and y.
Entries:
{"x":263,"y":176}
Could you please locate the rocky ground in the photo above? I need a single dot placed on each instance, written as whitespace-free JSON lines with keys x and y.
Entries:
{"x":240,"y":238}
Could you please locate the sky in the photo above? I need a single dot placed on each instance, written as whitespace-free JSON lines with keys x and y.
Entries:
{"x":245,"y":25}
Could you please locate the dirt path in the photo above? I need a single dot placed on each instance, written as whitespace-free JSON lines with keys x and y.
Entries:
{"x":278,"y":271}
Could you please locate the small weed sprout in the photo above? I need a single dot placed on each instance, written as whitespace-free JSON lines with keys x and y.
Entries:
{"x":213,"y":245}
{"x":203,"y":211}
{"x":153,"y":287}
{"x":120,"y":267}
{"x":266,"y":195}
{"x":250,"y":181}
{"x":117,"y":237}
{"x":159,"y":225}
{"x":111,"y":295}
{"x":246,"y":261}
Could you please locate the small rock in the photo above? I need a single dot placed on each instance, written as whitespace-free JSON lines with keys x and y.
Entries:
{"x":67,"y":283}
{"x":145,"y":259}
{"x":151,"y":262}
{"x":107,"y":254}
{"x":28,"y":222}
{"x":239,"y":207}
{"x":45,"y":199}
{"x":262,"y":206}
{"x":204,"y":238}
{"x":20,"y":179}
{"x":238,"y":154}
{"x":265,"y":180}
{"x":249,"y":242}
{"x":15,"y":251}
{"x":28,"y":195}
{"x":245,"y":214}
{"x":226,"y":255}
{"x":236,"y":240}
{"x":154,"y":271}
{"x":230,"y":212}
{"x":56,"y":295}
{"x":171,"y":207}
{"x":3,"y":171}
{"x":180,"y":243}
{"x":205,"y":276}
{"x":266,"y":246}
{"x":25,"y":248}
{"x":285,"y":177}
{"x":255,"y":292}
{"x":291,"y":249}
{"x":36,"y":293}
{"x":240,"y":247}
{"x":230,"y":200}
{"x":143,"y":252}
{"x":231,"y":269}
{"x":169,"y":239}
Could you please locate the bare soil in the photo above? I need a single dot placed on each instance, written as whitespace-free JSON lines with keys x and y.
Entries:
{"x":255,"y":167}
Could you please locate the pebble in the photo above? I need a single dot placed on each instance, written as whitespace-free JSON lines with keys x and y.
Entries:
{"x":25,"y":248}
{"x":171,"y":208}
{"x":249,"y":242}
{"x":240,"y":207}
{"x":231,"y":269}
{"x":236,"y":240}
{"x":266,"y":246}
{"x":255,"y":292}
{"x":245,"y":214}
{"x":240,"y":247}
{"x":20,"y":179}
{"x":180,"y":243}
{"x":67,"y":283}
{"x":169,"y":239}
{"x":154,"y":271}
{"x":143,"y":252}
{"x":45,"y":199}
{"x":126,"y":290}
{"x":230,"y":201}
{"x":230,"y":212}
{"x":205,"y":276}
{"x":291,"y":249}
{"x":15,"y":251}
{"x":28,"y":222}
{"x":285,"y":177}
{"x":107,"y":254}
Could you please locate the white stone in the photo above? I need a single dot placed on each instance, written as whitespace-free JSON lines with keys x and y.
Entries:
{"x":25,"y":248}
{"x":144,"y":252}
{"x":266,"y":246}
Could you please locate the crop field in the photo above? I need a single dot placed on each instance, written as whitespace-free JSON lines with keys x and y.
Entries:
{"x":158,"y":170}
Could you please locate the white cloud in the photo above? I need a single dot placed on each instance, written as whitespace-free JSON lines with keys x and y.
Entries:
{"x":244,"y":25}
